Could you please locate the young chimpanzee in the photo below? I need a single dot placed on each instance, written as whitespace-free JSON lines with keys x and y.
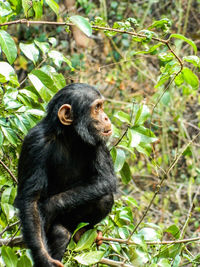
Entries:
{"x":65,"y":173}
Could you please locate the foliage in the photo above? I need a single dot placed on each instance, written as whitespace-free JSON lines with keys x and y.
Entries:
{"x":151,"y":79}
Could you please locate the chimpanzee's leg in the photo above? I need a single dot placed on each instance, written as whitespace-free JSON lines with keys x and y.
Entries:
{"x":59,"y":233}
{"x":58,"y":238}
{"x":92,"y":213}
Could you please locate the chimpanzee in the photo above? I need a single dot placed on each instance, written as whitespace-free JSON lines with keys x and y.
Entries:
{"x":65,"y":173}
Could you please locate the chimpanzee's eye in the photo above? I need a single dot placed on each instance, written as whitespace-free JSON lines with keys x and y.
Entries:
{"x":98,"y":106}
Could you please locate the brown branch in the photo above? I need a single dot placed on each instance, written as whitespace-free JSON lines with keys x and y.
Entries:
{"x":9,"y":171}
{"x":29,"y":22}
{"x":180,"y":241}
{"x":8,"y":227}
{"x":18,"y":241}
{"x":114,"y":263}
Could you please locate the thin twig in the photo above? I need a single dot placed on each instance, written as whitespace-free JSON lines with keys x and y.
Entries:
{"x":9,"y":171}
{"x":165,"y":175}
{"x":8,"y":227}
{"x":114,"y":263}
{"x":14,"y":235}
{"x":189,"y":213}
{"x":125,"y":132}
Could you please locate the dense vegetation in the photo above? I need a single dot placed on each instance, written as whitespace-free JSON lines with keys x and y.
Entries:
{"x":143,"y":57}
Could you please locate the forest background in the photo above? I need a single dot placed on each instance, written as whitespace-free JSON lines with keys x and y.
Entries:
{"x":144,"y":58}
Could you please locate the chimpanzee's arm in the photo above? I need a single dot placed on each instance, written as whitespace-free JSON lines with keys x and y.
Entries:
{"x":79,"y":195}
{"x":32,"y":219}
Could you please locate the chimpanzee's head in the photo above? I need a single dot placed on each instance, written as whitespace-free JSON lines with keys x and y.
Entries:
{"x":80,"y":106}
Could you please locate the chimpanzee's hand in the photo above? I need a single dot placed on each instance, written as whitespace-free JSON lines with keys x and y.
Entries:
{"x":49,"y":263}
{"x":56,"y":263}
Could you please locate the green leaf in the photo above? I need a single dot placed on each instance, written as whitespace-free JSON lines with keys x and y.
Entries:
{"x":36,"y":112}
{"x":1,"y":138}
{"x":149,"y":34}
{"x":164,"y":263}
{"x":7,"y":73}
{"x":44,"y":92}
{"x":37,"y":7}
{"x":9,"y":256}
{"x":59,"y":80}
{"x":190,"y":42}
{"x":174,"y":230}
{"x":8,"y":195}
{"x":24,"y":261}
{"x":125,"y":214}
{"x":81,"y":225}
{"x":146,"y":135}
{"x":18,"y":120}
{"x":12,"y":105}
{"x":53,"y":5}
{"x":162,"y":79}
{"x":29,"y":94}
{"x":126,"y":173}
{"x":16,"y":6}
{"x":43,"y":46}
{"x":45,"y":79}
{"x":5,"y":9}
{"x":160,"y":23}
{"x":134,"y":138}
{"x":166,"y":98}
{"x":175,"y":250}
{"x":3,"y":122}
{"x":149,"y":234}
{"x":144,"y":148}
{"x":9,"y":211}
{"x":143,"y":113}
{"x":58,"y":58}
{"x":53,"y":41}
{"x":8,"y":46}
{"x":90,"y":257}
{"x":165,"y":57}
{"x":30,"y":51}
{"x":82,"y":24}
{"x":10,"y":135}
{"x":193,"y":59}
{"x":122,"y":116}
{"x":179,"y":79}
{"x":190,"y":78}
{"x":119,"y":160}
{"x":28,"y":9}
{"x":130,"y":201}
{"x":86,"y":240}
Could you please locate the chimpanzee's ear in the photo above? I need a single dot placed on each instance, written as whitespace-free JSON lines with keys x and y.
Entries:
{"x":65,"y":114}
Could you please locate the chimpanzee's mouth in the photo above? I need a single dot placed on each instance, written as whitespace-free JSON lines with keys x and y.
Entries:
{"x":107,"y":132}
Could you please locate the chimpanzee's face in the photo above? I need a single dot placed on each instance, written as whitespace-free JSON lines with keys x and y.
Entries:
{"x":100,"y":120}
{"x":83,"y":111}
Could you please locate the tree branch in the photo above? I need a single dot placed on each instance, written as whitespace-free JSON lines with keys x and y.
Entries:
{"x":9,"y":171}
{"x":114,"y":263}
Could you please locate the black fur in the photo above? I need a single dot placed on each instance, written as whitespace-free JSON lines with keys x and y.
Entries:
{"x":65,"y":176}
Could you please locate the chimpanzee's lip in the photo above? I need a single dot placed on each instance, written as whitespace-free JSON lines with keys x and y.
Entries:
{"x":107,"y":132}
